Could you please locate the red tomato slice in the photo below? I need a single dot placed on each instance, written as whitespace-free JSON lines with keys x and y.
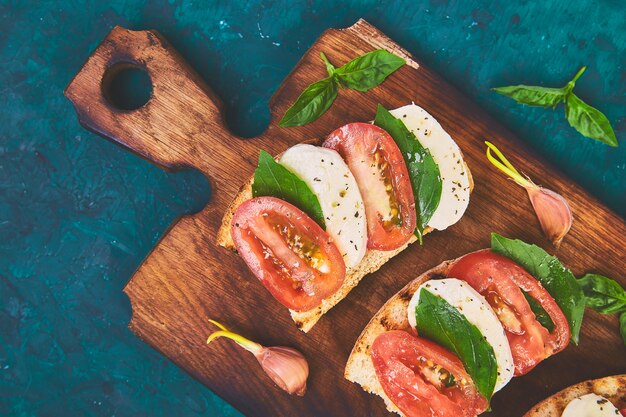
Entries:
{"x":415,"y":375}
{"x":501,"y":281}
{"x":288,"y":252}
{"x":623,"y":411}
{"x":383,"y":180}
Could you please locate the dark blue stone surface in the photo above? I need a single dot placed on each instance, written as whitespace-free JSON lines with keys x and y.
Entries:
{"x":78,"y":214}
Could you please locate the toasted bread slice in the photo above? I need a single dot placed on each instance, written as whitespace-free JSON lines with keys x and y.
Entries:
{"x":371,"y":262}
{"x":391,"y":316}
{"x":613,"y":388}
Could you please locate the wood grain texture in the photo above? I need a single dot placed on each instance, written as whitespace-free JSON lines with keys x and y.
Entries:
{"x":187,"y":279}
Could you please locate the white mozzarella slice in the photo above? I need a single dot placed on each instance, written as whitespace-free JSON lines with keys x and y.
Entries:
{"x":455,"y":192}
{"x":478,"y":312}
{"x":328,"y":176}
{"x":590,"y":405}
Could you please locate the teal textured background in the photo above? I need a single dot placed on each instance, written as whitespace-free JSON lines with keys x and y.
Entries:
{"x":78,"y":214}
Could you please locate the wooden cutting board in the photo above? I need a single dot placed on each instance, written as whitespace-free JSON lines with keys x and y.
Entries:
{"x":187,"y":279}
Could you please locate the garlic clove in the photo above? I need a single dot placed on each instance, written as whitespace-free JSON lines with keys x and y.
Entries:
{"x":286,"y":366}
{"x":553,"y":212}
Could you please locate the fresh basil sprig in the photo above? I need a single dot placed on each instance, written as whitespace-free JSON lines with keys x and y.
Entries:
{"x":603,"y":294}
{"x":548,"y":270}
{"x":444,"y":324}
{"x":273,"y":179}
{"x":423,"y":170}
{"x":588,"y":121}
{"x":362,"y":74}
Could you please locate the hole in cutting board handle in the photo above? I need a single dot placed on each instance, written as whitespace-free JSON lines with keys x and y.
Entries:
{"x":176,"y":123}
{"x":126,"y":86}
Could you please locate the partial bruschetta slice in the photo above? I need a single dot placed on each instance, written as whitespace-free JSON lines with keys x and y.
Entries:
{"x":491,"y":310}
{"x":610,"y":388}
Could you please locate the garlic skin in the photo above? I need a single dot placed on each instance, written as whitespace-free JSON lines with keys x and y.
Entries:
{"x":553,"y":212}
{"x":286,"y":366}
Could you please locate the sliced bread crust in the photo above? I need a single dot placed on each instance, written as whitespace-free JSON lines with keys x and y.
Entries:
{"x":371,"y":262}
{"x":391,"y":316}
{"x":613,"y":388}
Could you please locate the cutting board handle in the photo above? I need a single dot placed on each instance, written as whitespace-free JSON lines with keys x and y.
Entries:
{"x":171,"y":128}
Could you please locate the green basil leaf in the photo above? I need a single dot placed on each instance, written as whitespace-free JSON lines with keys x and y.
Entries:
{"x":533,"y":95}
{"x":548,"y":270}
{"x":369,"y":70}
{"x":590,"y":122}
{"x":622,"y":326}
{"x":312,"y":103}
{"x":423,"y":170}
{"x":273,"y":179}
{"x":440,"y":322}
{"x":603,"y":294}
{"x":541,"y":315}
